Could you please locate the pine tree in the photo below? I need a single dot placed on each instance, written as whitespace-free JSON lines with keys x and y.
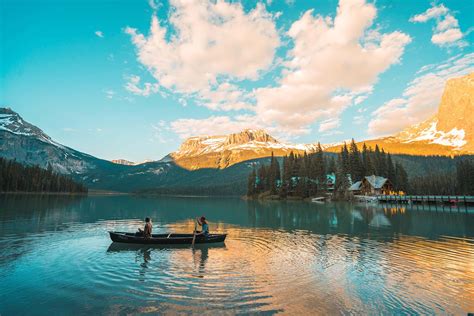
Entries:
{"x":15,"y":177}
{"x":321,"y":171}
{"x":367,"y":161}
{"x":286,"y":178}
{"x":465,"y":176}
{"x":378,"y":161}
{"x":345,"y":165}
{"x":342,"y":182}
{"x":251,"y":183}
{"x":273,"y":174}
{"x":401,"y":178}
{"x":302,"y":185}
{"x":390,"y":169}
{"x":356,"y":167}
{"x":331,"y":165}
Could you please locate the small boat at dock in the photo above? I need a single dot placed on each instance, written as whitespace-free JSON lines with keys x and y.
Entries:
{"x":166,"y":239}
{"x":319,"y":199}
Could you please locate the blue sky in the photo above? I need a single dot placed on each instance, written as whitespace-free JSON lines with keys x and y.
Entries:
{"x":132,"y":79}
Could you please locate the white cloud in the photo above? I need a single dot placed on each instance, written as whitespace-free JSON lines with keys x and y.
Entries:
{"x":447,"y":31}
{"x":209,"y":41}
{"x":360,"y":99}
{"x":359,"y":119}
{"x":154,"y":4}
{"x":99,"y":34}
{"x":214,"y":125}
{"x":421,"y":98}
{"x":448,"y":22}
{"x":225,"y":96}
{"x":109,"y":94}
{"x":433,"y":12}
{"x":159,"y":131}
{"x":133,"y":83}
{"x":334,"y":62}
{"x":448,"y":36}
{"x":329,"y":124}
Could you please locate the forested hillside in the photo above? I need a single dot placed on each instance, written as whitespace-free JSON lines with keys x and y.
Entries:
{"x":15,"y":177}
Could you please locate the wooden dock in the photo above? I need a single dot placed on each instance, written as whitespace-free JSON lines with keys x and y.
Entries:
{"x":366,"y":198}
{"x":428,"y":199}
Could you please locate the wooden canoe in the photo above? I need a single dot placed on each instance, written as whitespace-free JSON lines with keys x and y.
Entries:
{"x":166,"y":239}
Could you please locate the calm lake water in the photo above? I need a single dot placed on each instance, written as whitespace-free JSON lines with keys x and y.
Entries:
{"x":294,"y":258}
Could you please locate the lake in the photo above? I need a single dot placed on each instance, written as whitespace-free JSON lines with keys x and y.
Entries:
{"x":279,"y":257}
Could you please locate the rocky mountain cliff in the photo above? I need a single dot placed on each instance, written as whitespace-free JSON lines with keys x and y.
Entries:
{"x":453,"y":125}
{"x":448,"y":132}
{"x":226,"y":150}
{"x":123,"y":162}
{"x":28,"y":144}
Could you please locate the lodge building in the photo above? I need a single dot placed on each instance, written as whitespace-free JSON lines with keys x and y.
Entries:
{"x":372,"y":185}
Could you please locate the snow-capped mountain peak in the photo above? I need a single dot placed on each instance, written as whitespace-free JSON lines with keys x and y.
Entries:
{"x":28,"y":144}
{"x":224,"y":150}
{"x":12,"y":122}
{"x":428,"y":132}
{"x":247,"y":139}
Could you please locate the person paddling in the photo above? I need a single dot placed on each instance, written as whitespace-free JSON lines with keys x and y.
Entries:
{"x":205,"y":226}
{"x":146,"y":232}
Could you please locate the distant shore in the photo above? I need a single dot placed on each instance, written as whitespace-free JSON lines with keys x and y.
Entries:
{"x":116,"y":193}
{"x":267,"y":196}
{"x":91,"y":192}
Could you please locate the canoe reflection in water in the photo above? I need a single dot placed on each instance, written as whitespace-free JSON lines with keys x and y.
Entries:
{"x":143,"y":255}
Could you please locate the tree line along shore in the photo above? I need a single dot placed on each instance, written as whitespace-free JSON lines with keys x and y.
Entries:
{"x":317,"y":174}
{"x":15,"y":177}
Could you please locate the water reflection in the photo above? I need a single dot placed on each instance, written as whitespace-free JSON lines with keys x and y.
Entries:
{"x":200,"y":259}
{"x":290,"y":257}
{"x":55,"y":213}
{"x":143,"y":254}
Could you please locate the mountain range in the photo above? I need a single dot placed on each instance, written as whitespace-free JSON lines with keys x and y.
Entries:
{"x":224,"y":161}
{"x":449,"y":132}
{"x":28,"y":144}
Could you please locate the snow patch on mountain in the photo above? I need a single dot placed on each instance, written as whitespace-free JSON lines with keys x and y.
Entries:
{"x":11,"y":122}
{"x":253,"y":140}
{"x":28,"y":144}
{"x":453,"y":138}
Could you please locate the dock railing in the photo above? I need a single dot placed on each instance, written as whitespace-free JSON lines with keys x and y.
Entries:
{"x":441,"y":199}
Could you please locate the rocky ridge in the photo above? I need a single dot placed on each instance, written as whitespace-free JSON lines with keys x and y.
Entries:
{"x":225,"y":150}
{"x":123,"y":162}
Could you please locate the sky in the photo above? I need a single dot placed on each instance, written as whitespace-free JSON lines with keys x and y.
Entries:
{"x":133,"y":79}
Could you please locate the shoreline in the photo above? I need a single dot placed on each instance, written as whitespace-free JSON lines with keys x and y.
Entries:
{"x":115,"y":193}
{"x":92,"y":192}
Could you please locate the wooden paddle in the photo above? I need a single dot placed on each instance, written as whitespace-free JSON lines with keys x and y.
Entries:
{"x":194,"y":234}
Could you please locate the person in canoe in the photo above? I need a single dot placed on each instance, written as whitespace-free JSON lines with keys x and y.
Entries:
{"x":205,"y":226}
{"x":146,"y":231}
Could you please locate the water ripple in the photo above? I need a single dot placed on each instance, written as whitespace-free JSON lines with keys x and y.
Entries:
{"x":256,"y":270}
